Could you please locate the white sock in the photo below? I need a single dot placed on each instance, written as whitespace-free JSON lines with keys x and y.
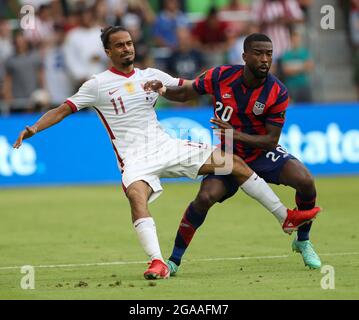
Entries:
{"x":258,"y":189}
{"x":146,"y":232}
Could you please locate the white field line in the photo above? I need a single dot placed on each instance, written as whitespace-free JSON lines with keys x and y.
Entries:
{"x":96,"y":264}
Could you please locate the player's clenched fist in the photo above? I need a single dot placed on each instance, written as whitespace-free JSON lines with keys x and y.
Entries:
{"x":154,"y":85}
{"x":27,"y":133}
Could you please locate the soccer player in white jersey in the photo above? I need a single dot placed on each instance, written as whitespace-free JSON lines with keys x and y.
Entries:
{"x":144,"y":151}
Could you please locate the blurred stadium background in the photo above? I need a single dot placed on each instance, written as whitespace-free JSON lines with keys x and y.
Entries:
{"x":40,"y":67}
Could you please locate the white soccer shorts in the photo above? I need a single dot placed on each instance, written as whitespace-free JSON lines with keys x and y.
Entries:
{"x":174,"y":158}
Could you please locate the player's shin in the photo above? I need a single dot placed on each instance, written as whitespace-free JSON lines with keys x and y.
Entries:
{"x":190,"y":222}
{"x":259,"y":190}
{"x":147,"y":234}
{"x":304,"y":202}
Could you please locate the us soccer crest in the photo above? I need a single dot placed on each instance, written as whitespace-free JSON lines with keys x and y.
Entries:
{"x":258,"y":108}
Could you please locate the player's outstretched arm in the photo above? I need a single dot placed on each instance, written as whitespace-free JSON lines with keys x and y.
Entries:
{"x":47,"y":120}
{"x":181,"y":94}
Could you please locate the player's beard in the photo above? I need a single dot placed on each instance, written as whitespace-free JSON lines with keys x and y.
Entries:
{"x":257,"y":73}
{"x":127,"y":63}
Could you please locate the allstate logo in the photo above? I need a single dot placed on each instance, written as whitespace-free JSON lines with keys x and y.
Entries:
{"x":186,"y":129}
{"x":20,"y":162}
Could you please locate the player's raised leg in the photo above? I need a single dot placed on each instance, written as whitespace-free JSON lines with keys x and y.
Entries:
{"x":138,"y":194}
{"x":258,"y":189}
{"x":296,"y":175}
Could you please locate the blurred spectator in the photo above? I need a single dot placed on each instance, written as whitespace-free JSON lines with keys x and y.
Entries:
{"x":35,"y":3}
{"x":71,"y":21}
{"x":356,"y":71}
{"x":275,"y":17}
{"x":24,"y":75}
{"x":44,"y":26}
{"x":74,"y":5}
{"x":57,"y":79}
{"x":138,"y":19}
{"x":354,"y":23}
{"x":185,"y":62}
{"x":354,"y":35}
{"x":235,"y":13}
{"x":160,"y":4}
{"x":211,"y":38}
{"x":84,"y":54}
{"x":6,"y":47}
{"x":236,"y":48}
{"x":101,"y":13}
{"x":236,"y":5}
{"x":142,"y":10}
{"x":166,"y":24}
{"x":116,"y":9}
{"x":133,"y":22}
{"x":297,"y":65}
{"x":305,"y":5}
{"x":9,"y":9}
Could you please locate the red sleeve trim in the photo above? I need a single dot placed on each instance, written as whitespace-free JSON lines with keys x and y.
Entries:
{"x":180,"y":82}
{"x":71,"y":105}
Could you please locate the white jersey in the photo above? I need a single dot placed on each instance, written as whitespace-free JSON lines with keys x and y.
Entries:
{"x":126,"y":110}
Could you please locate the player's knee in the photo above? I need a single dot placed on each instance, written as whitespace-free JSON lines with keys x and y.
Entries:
{"x":204,"y":201}
{"x":241,"y":169}
{"x":306,"y":183}
{"x":138,"y":203}
{"x":135,"y":196}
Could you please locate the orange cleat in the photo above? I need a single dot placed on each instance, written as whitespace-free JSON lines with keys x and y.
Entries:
{"x":297,"y":218}
{"x":157,"y":270}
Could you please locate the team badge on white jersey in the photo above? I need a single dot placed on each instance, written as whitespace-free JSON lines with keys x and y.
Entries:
{"x":130,"y":87}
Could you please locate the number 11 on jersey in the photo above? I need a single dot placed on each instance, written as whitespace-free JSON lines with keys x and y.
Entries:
{"x":121,"y":104}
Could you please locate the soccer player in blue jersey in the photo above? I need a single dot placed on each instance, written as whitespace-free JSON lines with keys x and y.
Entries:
{"x":253,"y":102}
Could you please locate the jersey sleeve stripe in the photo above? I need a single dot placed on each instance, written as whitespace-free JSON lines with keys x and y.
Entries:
{"x":228,"y":72}
{"x":275,"y":123}
{"x":273,"y":94}
{"x":71,"y":105}
{"x":282,"y":98}
{"x":195,"y":86}
{"x":208,"y":81}
{"x":280,"y":107}
{"x":180,"y":82}
{"x":198,"y":84}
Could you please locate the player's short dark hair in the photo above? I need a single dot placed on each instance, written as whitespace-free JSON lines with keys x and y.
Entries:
{"x":106,"y":32}
{"x":255,"y":37}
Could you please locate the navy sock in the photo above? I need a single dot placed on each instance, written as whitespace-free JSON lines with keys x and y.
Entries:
{"x":190,"y":222}
{"x":304,"y":202}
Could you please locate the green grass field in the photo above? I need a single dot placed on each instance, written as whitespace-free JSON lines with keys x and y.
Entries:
{"x":89,"y":228}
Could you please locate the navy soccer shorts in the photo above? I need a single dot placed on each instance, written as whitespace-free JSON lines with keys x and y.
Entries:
{"x":268,"y":166}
